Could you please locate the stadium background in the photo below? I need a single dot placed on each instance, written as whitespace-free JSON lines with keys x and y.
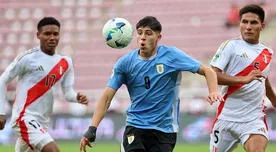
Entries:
{"x":195,"y":26}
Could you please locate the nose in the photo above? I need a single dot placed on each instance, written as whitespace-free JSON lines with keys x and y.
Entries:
{"x":248,"y":27}
{"x":143,"y":36}
{"x":53,"y":36}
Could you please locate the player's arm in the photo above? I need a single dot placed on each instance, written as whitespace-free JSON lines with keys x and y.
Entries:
{"x":225,"y":79}
{"x":101,"y":109}
{"x":270,"y":93}
{"x":7,"y":76}
{"x":103,"y":105}
{"x":67,"y":86}
{"x":212,"y":83}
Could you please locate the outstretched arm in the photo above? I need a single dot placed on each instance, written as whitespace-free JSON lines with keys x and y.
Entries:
{"x":212,"y":83}
{"x":270,"y":93}
{"x":103,"y":105}
{"x":224,"y":79}
{"x":101,"y":109}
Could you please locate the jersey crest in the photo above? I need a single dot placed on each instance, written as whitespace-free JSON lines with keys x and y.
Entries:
{"x":160,"y":68}
{"x":130,"y":138}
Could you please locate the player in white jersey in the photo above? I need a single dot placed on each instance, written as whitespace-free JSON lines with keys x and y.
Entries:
{"x":242,"y":67}
{"x":39,"y":70}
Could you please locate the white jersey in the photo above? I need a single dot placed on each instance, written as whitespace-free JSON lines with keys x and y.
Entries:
{"x":38,"y":74}
{"x":243,"y":102}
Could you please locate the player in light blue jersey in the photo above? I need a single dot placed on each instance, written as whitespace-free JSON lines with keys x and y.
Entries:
{"x":152,"y":74}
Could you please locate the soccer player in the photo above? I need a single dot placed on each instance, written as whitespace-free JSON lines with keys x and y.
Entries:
{"x":152,"y":74}
{"x":242,"y":67}
{"x":39,"y":70}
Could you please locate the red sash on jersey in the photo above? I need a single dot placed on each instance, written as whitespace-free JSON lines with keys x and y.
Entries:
{"x":38,"y":90}
{"x":263,"y":60}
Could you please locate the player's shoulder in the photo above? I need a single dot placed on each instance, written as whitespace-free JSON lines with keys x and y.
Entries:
{"x":68,"y":58}
{"x":27,"y":54}
{"x":129,"y":56}
{"x":230,"y":43}
{"x":168,"y":48}
{"x":268,"y":47}
{"x":164,"y":49}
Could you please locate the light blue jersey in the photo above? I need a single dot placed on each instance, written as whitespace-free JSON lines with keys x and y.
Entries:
{"x":153,"y":85}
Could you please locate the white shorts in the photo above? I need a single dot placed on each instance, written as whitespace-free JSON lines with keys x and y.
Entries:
{"x":227,"y":134}
{"x":31,"y":136}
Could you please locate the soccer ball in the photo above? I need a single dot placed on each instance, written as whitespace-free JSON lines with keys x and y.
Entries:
{"x":117,"y":33}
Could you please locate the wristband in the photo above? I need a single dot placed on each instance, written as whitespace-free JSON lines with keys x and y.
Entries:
{"x":90,"y":134}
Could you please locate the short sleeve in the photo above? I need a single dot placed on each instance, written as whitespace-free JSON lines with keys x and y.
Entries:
{"x":223,"y":55}
{"x":183,"y":62}
{"x":118,"y":74}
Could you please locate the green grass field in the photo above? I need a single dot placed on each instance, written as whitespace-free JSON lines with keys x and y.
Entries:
{"x":114,"y":147}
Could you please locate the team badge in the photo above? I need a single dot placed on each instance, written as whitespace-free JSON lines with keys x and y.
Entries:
{"x":160,"y":68}
{"x":262,"y":130}
{"x":130,"y":138}
{"x":216,"y":57}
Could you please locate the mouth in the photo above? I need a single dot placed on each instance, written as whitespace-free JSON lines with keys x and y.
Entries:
{"x":249,"y":34}
{"x":52,"y":44}
{"x":142,"y":46}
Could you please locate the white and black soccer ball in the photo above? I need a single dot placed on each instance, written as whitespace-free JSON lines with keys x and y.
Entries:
{"x":117,"y":32}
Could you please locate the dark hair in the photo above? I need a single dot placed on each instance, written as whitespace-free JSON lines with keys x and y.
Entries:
{"x":150,"y":21}
{"x":47,"y":21}
{"x":253,"y":8}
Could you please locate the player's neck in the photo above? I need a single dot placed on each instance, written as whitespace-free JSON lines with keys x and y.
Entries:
{"x":252,"y":42}
{"x":148,"y":55}
{"x":48,"y":52}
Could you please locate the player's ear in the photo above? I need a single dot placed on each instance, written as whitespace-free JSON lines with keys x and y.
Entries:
{"x":159,"y":36}
{"x":263,"y":26}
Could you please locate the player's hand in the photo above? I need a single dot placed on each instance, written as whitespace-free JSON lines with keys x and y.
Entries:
{"x":2,"y":121}
{"x":82,"y":99}
{"x":84,"y":141}
{"x":254,"y":75}
{"x":213,"y":97}
{"x":88,"y":137}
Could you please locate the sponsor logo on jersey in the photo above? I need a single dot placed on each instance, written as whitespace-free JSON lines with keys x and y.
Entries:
{"x":244,"y":55}
{"x":160,"y":68}
{"x":130,"y":138}
{"x":40,"y":68}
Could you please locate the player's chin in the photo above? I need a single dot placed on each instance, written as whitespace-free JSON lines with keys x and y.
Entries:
{"x":143,"y":48}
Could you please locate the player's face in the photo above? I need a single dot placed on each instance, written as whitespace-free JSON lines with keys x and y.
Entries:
{"x":250,"y":27}
{"x":49,"y":38}
{"x":147,"y":41}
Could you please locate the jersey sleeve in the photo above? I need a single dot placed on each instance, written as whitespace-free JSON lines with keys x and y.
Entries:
{"x":14,"y":69}
{"x":183,"y":62}
{"x":118,"y":74}
{"x":68,"y":82}
{"x":222,"y":56}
